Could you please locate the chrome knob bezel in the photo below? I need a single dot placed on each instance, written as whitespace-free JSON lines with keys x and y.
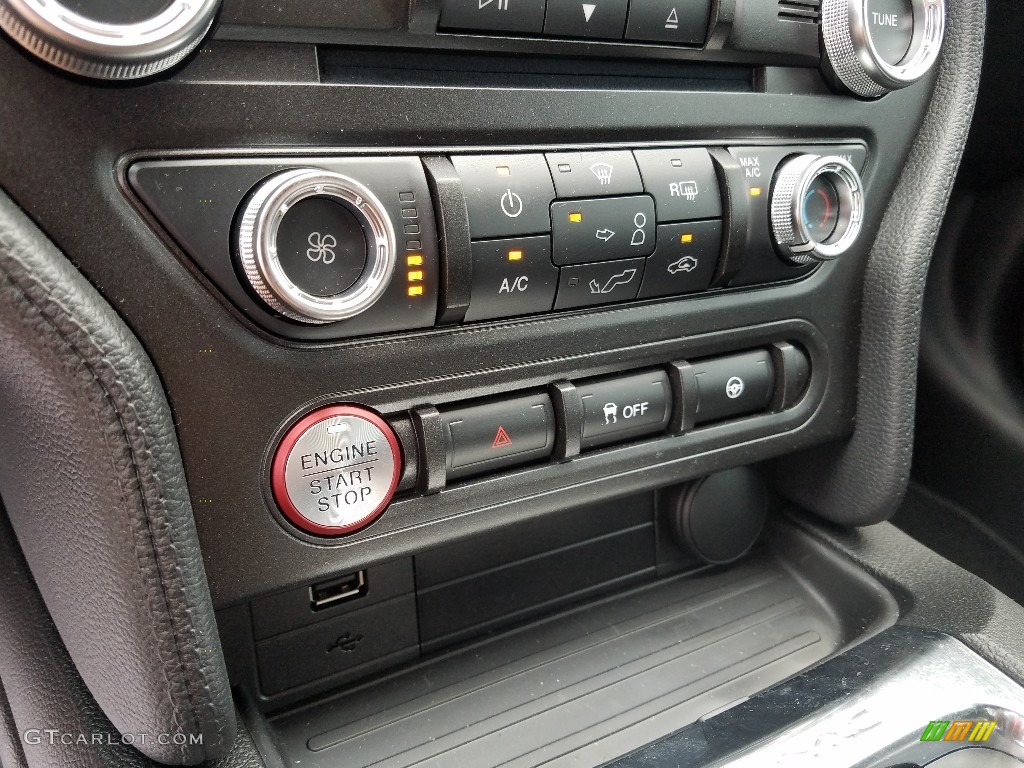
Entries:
{"x":789,"y":189}
{"x":102,"y":50}
{"x":855,"y":60}
{"x":257,"y":245}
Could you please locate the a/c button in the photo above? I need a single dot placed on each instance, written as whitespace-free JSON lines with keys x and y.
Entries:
{"x":512,"y":277}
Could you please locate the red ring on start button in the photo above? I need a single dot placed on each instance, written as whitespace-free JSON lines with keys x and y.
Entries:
{"x":336,"y":470}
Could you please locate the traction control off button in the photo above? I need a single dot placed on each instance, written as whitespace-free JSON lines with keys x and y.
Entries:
{"x":336,"y":470}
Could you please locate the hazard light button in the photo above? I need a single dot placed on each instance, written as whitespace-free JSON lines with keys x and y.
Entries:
{"x":497,"y":434}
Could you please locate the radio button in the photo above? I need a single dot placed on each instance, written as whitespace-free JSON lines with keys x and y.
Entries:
{"x":493,"y":15}
{"x":596,"y":19}
{"x":685,"y":260}
{"x":603,"y":229}
{"x":587,"y":285}
{"x":507,"y":195}
{"x":512,"y":277}
{"x":669,"y":21}
{"x":683,"y":183}
{"x":593,"y":174}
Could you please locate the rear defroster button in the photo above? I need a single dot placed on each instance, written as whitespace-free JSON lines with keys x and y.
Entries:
{"x":336,"y":470}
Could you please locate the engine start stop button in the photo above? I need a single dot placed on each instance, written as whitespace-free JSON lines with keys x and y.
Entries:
{"x":336,"y":470}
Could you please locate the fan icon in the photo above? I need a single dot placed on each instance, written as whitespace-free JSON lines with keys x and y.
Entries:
{"x":322,"y":248}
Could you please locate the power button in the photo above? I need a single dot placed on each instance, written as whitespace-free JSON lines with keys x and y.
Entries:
{"x":506,"y":195}
{"x":336,"y":470}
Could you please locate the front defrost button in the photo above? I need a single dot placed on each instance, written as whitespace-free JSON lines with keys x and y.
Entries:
{"x":595,"y":174}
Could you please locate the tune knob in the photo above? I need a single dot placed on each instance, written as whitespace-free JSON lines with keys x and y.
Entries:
{"x":316,"y":246}
{"x":876,"y":46}
{"x":817,"y":208}
{"x":109,"y":39}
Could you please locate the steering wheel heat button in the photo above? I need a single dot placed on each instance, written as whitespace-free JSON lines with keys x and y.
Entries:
{"x":336,"y":470}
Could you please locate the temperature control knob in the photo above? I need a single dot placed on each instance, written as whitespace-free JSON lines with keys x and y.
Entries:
{"x":817,"y":208}
{"x":876,"y":46}
{"x":316,"y":246}
{"x":108,"y":39}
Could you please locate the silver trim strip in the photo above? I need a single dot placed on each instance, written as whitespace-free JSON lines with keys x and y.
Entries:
{"x":866,"y":708}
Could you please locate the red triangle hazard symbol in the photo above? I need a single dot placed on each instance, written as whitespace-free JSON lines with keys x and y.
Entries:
{"x":501,"y":439}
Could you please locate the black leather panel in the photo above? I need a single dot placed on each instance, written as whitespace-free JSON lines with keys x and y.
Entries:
{"x":92,"y":480}
{"x":40,"y":680}
{"x":48,"y":693}
{"x":863,"y":480}
{"x":11,"y":753}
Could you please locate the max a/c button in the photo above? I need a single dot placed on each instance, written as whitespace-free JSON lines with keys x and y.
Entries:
{"x":497,"y":435}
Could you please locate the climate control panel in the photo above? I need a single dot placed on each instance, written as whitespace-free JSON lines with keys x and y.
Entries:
{"x":329,"y":247}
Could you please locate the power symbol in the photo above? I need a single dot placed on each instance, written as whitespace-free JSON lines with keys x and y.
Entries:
{"x":511,"y":204}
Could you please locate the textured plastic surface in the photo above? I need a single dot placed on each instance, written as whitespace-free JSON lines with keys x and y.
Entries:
{"x":604,"y":679}
{"x":541,"y":578}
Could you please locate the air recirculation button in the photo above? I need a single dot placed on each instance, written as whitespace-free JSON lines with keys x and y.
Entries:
{"x":316,"y":246}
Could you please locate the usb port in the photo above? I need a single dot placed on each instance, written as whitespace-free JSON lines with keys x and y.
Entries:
{"x":338,"y":590}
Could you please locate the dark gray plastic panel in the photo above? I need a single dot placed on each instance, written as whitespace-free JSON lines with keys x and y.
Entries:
{"x":198,"y":201}
{"x":759,"y":33}
{"x":603,"y":679}
{"x":275,"y":614}
{"x":466,"y":606}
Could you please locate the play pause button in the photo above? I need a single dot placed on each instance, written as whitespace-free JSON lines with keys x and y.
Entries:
{"x":604,"y":19}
